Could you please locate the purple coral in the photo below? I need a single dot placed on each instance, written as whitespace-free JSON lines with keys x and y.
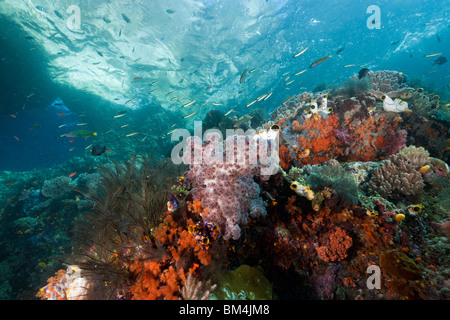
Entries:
{"x":396,"y":142}
{"x":225,"y":187}
{"x":344,"y":135}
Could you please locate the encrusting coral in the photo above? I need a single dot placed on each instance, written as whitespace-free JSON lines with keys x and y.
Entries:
{"x":57,"y":187}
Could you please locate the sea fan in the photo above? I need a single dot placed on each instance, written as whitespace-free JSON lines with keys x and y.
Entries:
{"x":331,"y":175}
{"x":126,"y":205}
{"x":353,"y":87}
{"x":443,"y":198}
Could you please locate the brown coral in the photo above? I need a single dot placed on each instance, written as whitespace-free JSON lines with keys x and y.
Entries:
{"x":386,"y":81}
{"x":418,"y":157}
{"x":396,"y":175}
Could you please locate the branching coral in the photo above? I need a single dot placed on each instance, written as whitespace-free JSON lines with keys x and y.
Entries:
{"x":396,"y":176}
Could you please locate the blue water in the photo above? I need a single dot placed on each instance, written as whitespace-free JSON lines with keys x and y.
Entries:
{"x":36,"y":138}
{"x":198,"y":50}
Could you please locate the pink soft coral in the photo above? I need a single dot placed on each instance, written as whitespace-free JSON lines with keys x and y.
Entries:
{"x":226,"y":188}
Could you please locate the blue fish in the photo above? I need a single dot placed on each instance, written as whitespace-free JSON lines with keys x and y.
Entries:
{"x":127,"y":20}
{"x":58,"y":14}
{"x":40,"y":8}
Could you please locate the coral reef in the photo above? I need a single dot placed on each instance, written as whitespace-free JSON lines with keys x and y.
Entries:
{"x":357,"y":187}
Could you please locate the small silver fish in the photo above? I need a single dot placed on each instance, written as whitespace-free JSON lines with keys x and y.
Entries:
{"x":189,"y":115}
{"x":301,"y":52}
{"x":250,"y":103}
{"x":300,"y":72}
{"x":188,"y":103}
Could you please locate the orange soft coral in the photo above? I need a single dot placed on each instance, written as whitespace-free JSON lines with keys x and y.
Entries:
{"x":319,"y":138}
{"x":196,"y":207}
{"x":162,"y":279}
{"x":285,"y":157}
{"x":369,"y":137}
{"x":337,"y":245}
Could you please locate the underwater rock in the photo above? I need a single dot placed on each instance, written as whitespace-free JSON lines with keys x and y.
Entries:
{"x":57,"y":187}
